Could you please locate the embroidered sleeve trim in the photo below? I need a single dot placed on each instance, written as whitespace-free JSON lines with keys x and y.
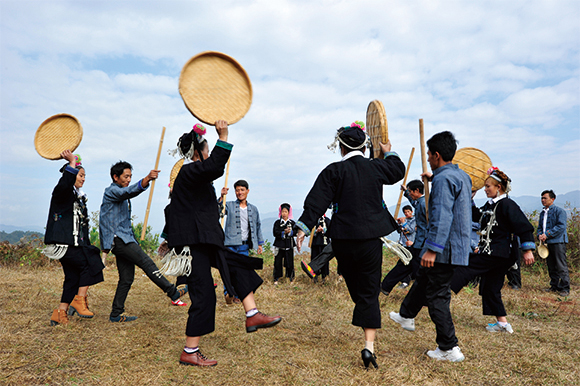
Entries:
{"x":224,"y":145}
{"x":303,"y":227}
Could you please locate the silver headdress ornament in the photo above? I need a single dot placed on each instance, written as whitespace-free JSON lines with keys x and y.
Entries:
{"x":338,"y":139}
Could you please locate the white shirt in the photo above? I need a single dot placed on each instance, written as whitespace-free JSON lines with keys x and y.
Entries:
{"x":545,"y":218}
{"x":244,"y":223}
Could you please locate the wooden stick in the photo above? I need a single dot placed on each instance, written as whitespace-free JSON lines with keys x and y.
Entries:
{"x":312,"y":236}
{"x":404,"y":183}
{"x":224,"y":196}
{"x":425,"y":169}
{"x":152,"y":187}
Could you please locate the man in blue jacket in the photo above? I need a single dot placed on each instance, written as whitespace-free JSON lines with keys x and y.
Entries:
{"x":552,"y":231}
{"x":243,"y":229}
{"x":117,"y":235}
{"x":446,"y":246}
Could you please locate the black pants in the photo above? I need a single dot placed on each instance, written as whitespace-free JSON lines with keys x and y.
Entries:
{"x":128,"y":256}
{"x":82,"y":266}
{"x":431,"y":288}
{"x":360,"y":262}
{"x":558,"y":267}
{"x":201,"y":320}
{"x":323,"y":258}
{"x":315,"y":251}
{"x":285,"y":258}
{"x":514,"y":275}
{"x":400,"y":271}
{"x":492,"y":270}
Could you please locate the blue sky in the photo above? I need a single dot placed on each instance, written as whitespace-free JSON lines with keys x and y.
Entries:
{"x":503,"y":76}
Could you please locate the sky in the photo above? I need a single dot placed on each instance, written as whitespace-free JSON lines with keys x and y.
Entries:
{"x":503,"y":76}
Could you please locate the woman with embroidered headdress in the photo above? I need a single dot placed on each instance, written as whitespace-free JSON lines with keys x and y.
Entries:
{"x":196,"y":237}
{"x":354,"y":187}
{"x":501,"y":220}
{"x":67,"y":239}
{"x":284,"y":231}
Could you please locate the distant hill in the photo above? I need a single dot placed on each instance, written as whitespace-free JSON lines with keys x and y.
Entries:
{"x":12,"y":228}
{"x":16,"y":236}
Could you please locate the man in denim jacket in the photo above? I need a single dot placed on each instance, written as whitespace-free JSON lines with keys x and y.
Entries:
{"x":117,"y":235}
{"x":243,"y":229}
{"x":447,"y":245}
{"x":552,"y":231}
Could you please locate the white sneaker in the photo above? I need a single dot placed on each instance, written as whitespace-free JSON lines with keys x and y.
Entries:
{"x":407,"y":324}
{"x":496,"y":327}
{"x":453,"y":355}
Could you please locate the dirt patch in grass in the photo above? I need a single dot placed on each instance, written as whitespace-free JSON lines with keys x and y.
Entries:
{"x":315,"y":344}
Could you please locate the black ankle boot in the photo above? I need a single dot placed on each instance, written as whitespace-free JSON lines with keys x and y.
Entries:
{"x":368,"y":357}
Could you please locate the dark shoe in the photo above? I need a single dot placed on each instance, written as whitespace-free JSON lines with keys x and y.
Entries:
{"x":564,"y":293}
{"x":369,"y":357}
{"x":196,"y":359}
{"x":550,"y":290}
{"x":385,"y":292}
{"x":179,"y":293}
{"x":515,"y":287}
{"x":307,"y":270}
{"x":122,"y":318}
{"x":261,"y":321}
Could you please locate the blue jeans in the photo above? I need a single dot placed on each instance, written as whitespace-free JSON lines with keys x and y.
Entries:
{"x":241,"y":249}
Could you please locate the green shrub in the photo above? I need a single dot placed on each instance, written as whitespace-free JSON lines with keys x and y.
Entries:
{"x":27,"y":252}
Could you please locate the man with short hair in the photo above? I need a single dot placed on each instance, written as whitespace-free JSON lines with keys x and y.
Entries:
{"x":552,"y":231}
{"x":447,"y":245}
{"x":117,"y":236}
{"x":243,"y":230}
{"x":400,"y":272}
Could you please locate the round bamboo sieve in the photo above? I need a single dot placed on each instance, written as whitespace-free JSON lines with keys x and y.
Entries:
{"x":174,"y":172}
{"x":475,"y":163}
{"x":214,"y":86}
{"x":56,"y":134}
{"x":377,"y":127}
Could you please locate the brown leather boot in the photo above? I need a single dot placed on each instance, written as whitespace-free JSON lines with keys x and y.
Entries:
{"x":80,"y":305}
{"x":58,"y":317}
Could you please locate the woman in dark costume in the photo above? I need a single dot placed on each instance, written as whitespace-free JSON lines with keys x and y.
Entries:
{"x":67,"y":239}
{"x":355,"y":188}
{"x":501,"y":220}
{"x":194,"y":233}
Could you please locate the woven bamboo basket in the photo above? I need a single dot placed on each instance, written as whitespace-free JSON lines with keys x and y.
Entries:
{"x":475,"y":163}
{"x":174,"y":172}
{"x":56,"y":134}
{"x":214,"y":86}
{"x":377,"y":127}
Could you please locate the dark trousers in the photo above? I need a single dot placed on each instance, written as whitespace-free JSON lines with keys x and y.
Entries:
{"x":323,"y":258}
{"x":431,"y":288}
{"x":492,"y":270}
{"x":514,"y":275}
{"x":558,"y":267}
{"x":201,"y":320}
{"x":360,"y":262}
{"x":315,"y":251}
{"x":82,"y":266}
{"x":128,"y":256}
{"x":284,"y":258}
{"x":400,"y":271}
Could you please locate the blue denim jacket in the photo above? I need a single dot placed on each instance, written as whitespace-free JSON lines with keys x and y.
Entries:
{"x":449,"y":229}
{"x":233,"y":230}
{"x":420,"y":219}
{"x":555,"y":225}
{"x":115,"y":215}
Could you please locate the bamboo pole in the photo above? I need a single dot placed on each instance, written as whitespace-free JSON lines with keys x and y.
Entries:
{"x":152,"y":187}
{"x":404,"y":183}
{"x":224,"y":196}
{"x":425,"y":169}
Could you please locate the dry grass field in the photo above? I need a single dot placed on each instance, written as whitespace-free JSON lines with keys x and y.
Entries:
{"x":315,"y":344}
